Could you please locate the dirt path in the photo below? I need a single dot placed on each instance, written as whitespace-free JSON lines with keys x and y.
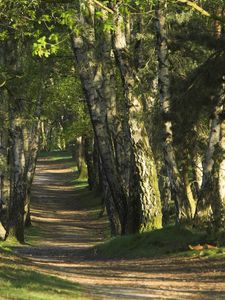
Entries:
{"x":70,"y":231}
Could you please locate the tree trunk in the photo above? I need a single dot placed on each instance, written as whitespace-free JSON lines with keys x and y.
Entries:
{"x":213,"y":186}
{"x":80,"y":157}
{"x":210,"y":180}
{"x":117,"y":121}
{"x":17,"y":197}
{"x":198,"y":173}
{"x":203,"y":210}
{"x":91,"y":75}
{"x":165,"y":192}
{"x":31,"y":151}
{"x":4,"y":161}
{"x":185,"y":172}
{"x":218,"y":205}
{"x":88,"y":152}
{"x":185,"y":210}
{"x":3,"y":176}
{"x":144,"y":189}
{"x":96,"y":167}
{"x":110,"y":207}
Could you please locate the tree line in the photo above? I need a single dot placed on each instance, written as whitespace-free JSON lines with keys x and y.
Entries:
{"x":135,"y":89}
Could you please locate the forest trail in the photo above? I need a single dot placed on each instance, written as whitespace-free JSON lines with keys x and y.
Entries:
{"x":66,"y":249}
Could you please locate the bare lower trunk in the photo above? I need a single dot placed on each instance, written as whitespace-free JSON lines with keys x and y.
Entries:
{"x":217,"y":198}
{"x":77,"y":152}
{"x":187,"y":183}
{"x":219,"y":205}
{"x":4,"y":167}
{"x":212,"y":195}
{"x":165,"y":192}
{"x":198,"y":173}
{"x":96,"y":167}
{"x":44,"y":142}
{"x":88,"y":151}
{"x":17,"y":197}
{"x":27,"y":212}
{"x":3,"y":176}
{"x":31,"y":151}
{"x":110,"y":207}
{"x":80,"y":157}
{"x":203,"y":210}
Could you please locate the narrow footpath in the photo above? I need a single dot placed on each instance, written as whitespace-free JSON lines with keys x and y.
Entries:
{"x":70,"y":227}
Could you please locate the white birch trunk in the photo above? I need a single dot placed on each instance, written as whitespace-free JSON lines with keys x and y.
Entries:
{"x":92,"y":78}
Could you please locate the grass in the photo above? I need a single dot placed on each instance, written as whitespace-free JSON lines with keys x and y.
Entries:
{"x":19,"y":279}
{"x":6,"y":248}
{"x":33,"y":235}
{"x":79,"y":183}
{"x":21,"y":282}
{"x":167,"y":241}
{"x":55,"y":155}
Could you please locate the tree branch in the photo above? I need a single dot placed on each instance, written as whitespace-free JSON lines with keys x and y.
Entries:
{"x":103,"y":6}
{"x":195,"y":6}
{"x":201,"y":10}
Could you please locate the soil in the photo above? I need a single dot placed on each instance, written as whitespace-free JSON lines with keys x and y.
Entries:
{"x":70,"y":232}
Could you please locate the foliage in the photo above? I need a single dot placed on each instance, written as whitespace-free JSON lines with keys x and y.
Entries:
{"x":65,"y":105}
